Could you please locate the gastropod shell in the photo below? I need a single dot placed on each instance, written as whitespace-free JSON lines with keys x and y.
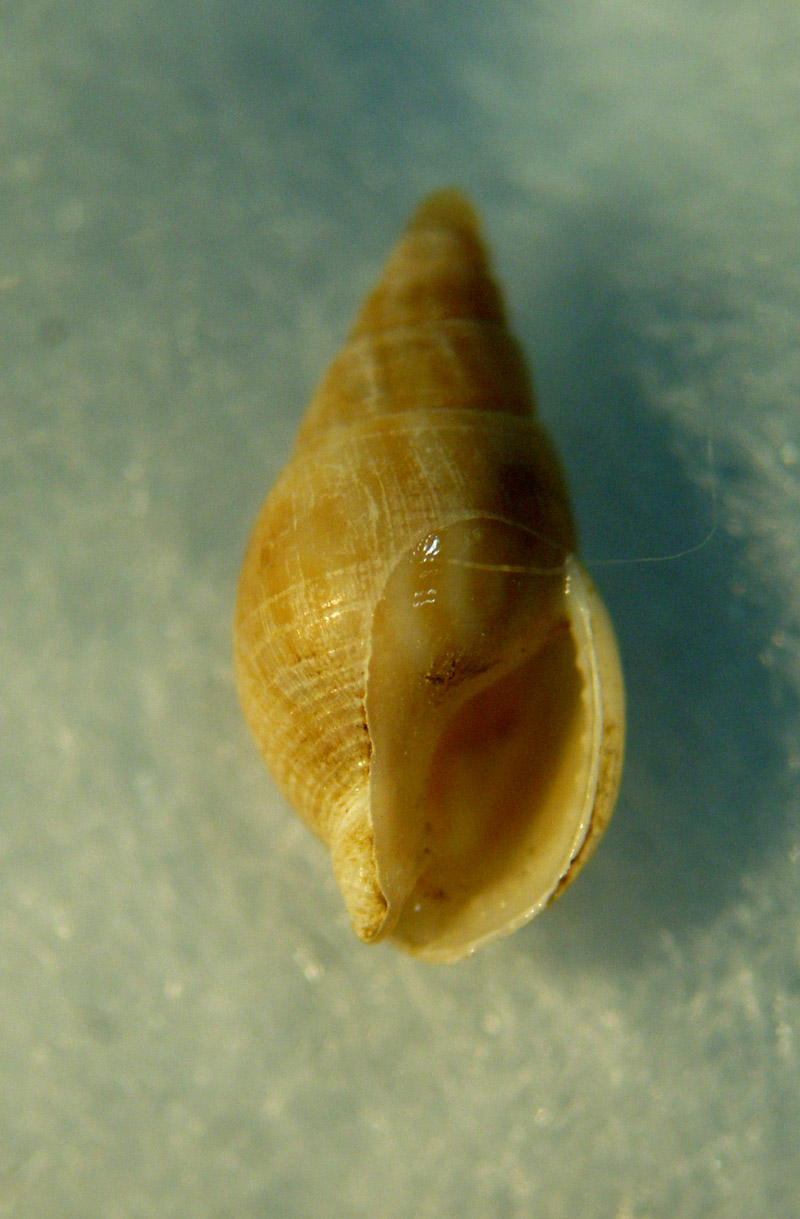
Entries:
{"x":427,"y":669}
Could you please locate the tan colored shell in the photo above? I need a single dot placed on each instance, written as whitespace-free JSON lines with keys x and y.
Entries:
{"x":427,"y":669}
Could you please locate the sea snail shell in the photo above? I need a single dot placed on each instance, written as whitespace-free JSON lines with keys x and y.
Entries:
{"x":427,"y":669}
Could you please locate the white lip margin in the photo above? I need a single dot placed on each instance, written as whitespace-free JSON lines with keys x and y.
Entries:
{"x":580,"y":594}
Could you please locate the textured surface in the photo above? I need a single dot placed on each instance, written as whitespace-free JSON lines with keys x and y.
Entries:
{"x":188,"y":1026}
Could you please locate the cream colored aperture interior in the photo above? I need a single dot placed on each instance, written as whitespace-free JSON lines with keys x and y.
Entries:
{"x":485,"y":722}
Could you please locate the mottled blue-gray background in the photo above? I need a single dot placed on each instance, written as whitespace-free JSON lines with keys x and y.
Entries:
{"x":193,"y":196}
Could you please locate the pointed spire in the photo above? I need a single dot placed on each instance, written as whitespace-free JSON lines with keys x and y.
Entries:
{"x":438,"y":271}
{"x":431,"y":334}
